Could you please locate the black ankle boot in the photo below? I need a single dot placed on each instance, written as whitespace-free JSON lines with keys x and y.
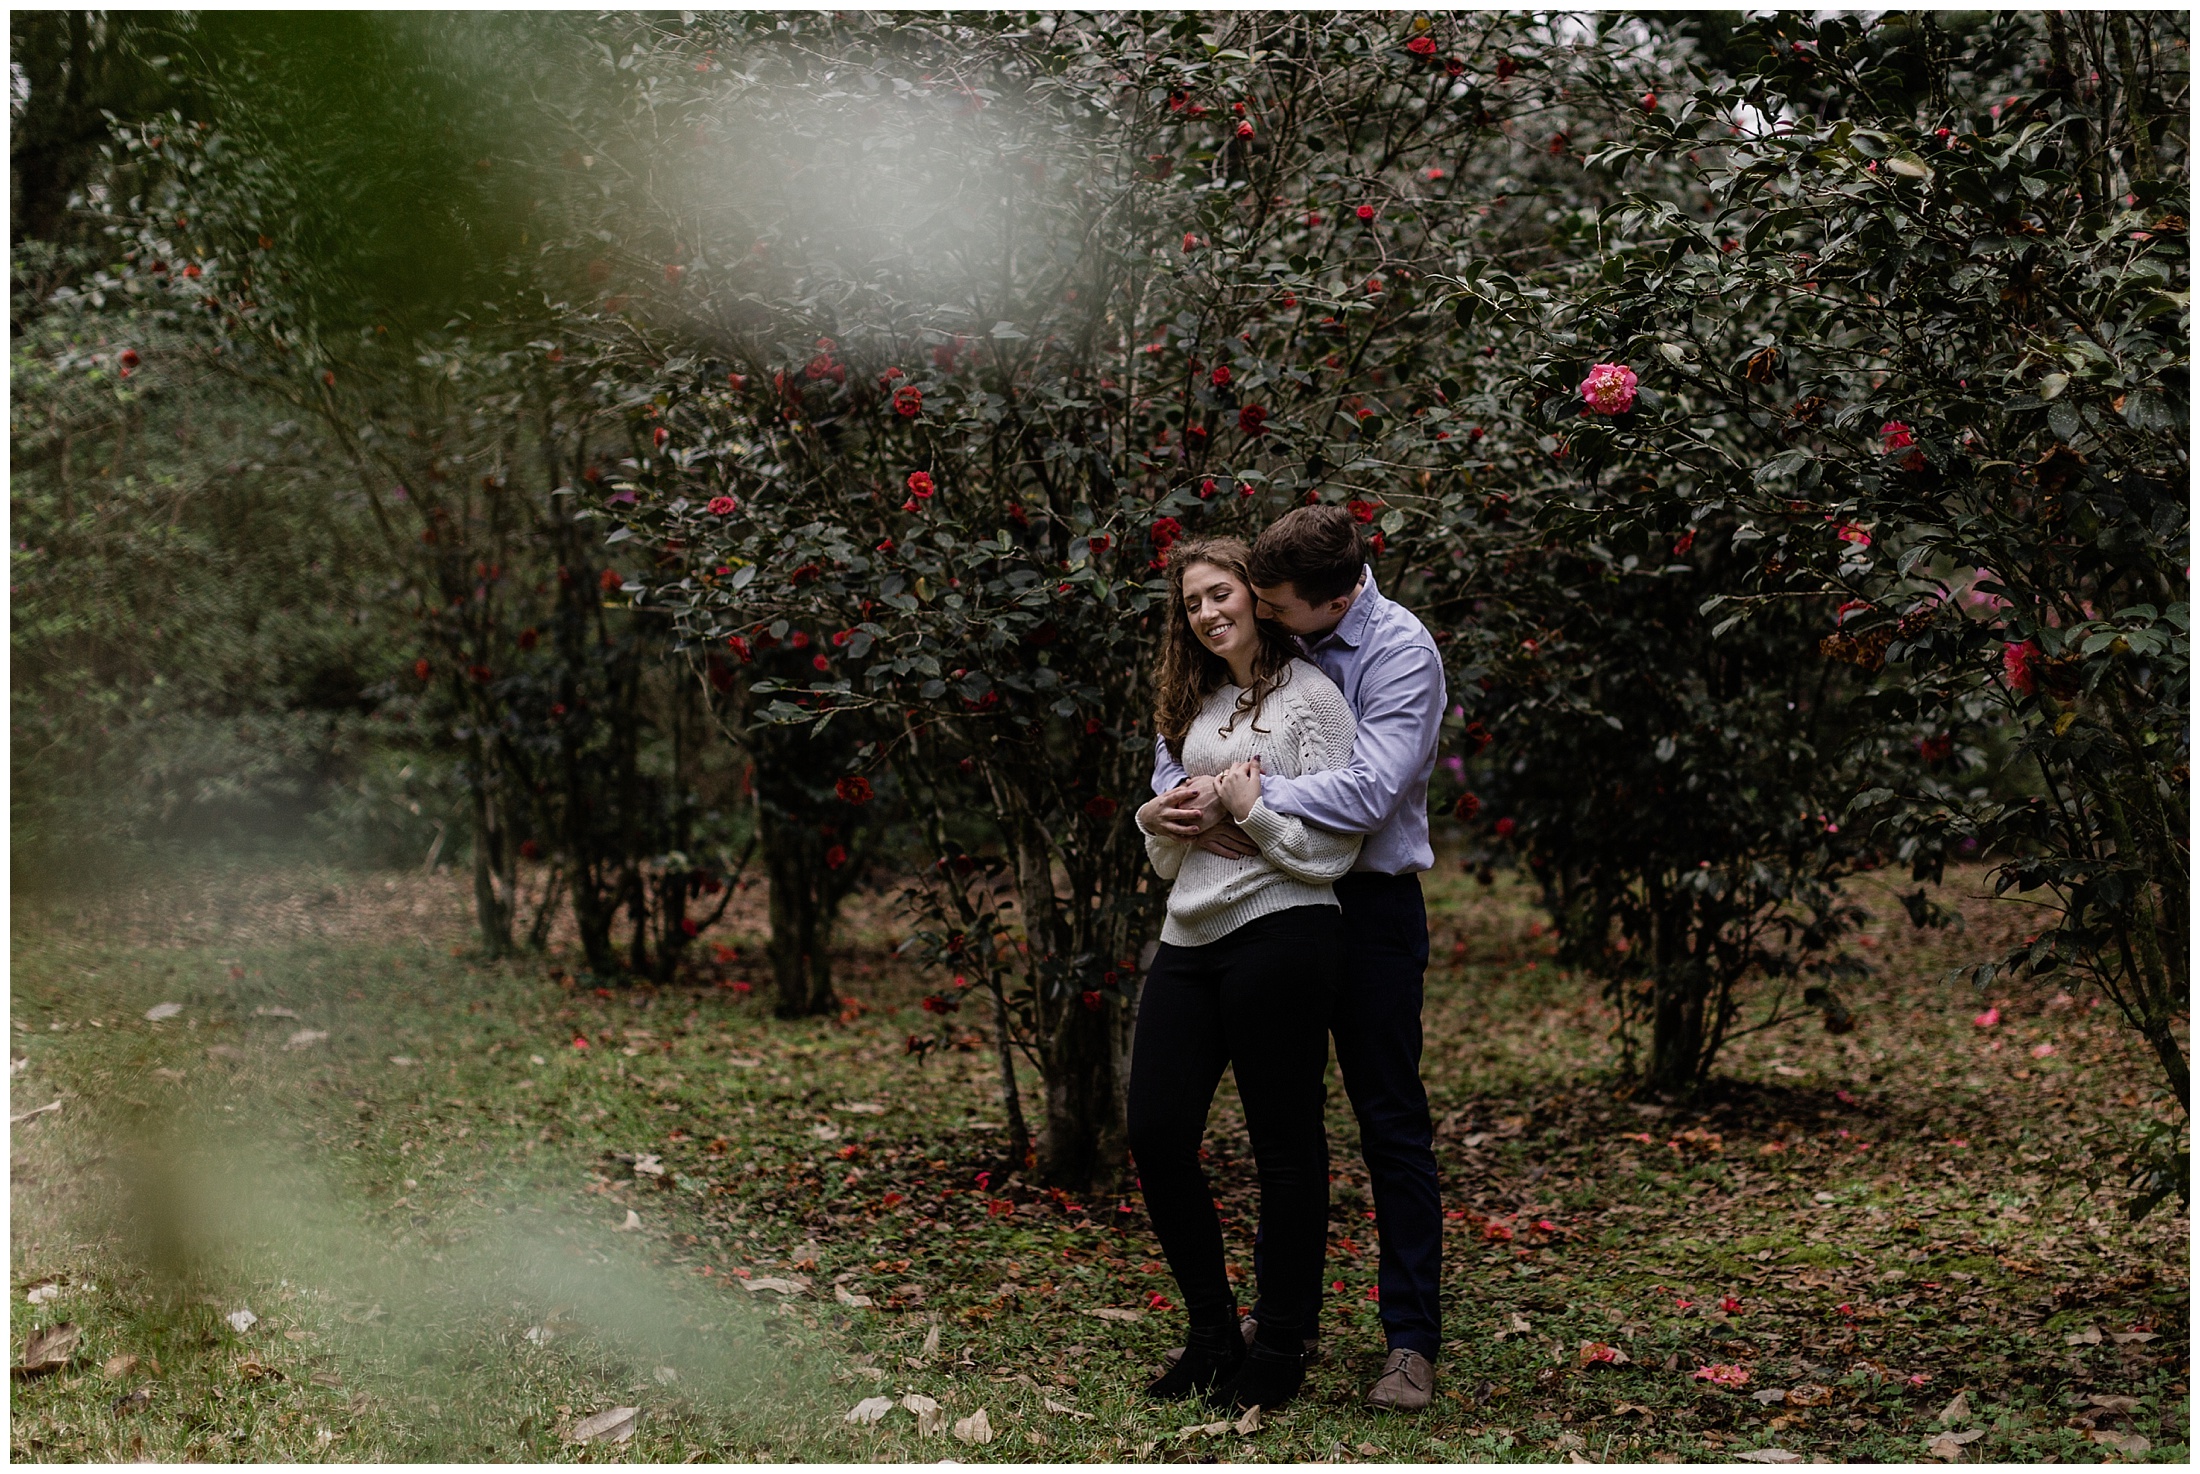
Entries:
{"x":1212,"y":1355}
{"x":1270,"y":1377}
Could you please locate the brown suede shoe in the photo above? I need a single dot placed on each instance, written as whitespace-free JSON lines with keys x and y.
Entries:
{"x":1407,"y":1383}
{"x":1251,"y":1328}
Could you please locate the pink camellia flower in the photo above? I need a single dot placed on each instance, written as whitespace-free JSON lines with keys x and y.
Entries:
{"x":722,"y":506}
{"x":1609,"y":389}
{"x":2043,"y":1051}
{"x":2017,"y":662}
{"x":1723,"y":1375}
{"x":1849,"y":532}
{"x":1894,"y":436}
{"x":1988,"y":1019}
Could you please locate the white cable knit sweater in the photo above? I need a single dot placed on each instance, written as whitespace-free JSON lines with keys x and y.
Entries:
{"x":1305,"y":726}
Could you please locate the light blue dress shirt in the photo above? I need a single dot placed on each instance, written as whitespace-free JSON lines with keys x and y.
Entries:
{"x":1385,"y":662}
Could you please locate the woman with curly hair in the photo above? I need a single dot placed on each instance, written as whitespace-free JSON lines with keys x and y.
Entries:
{"x":1249,"y":961}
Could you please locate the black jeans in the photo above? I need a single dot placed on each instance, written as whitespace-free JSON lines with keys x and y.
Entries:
{"x":1377,"y":1024}
{"x":1258,"y":1000}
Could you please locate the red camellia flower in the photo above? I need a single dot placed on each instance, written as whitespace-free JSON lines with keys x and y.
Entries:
{"x":1191,"y":242}
{"x":820,"y":662}
{"x":1207,"y":488}
{"x":1253,"y":420}
{"x":1220,"y":376}
{"x":1687,"y":541}
{"x":1649,"y":102}
{"x":920,"y":483}
{"x":612,"y":580}
{"x":1101,"y":807}
{"x":1894,"y":436}
{"x":1506,"y":67}
{"x":527,"y":638}
{"x":888,"y":377}
{"x":2018,"y":664}
{"x":1730,"y":1305}
{"x":722,"y":506}
{"x":1098,"y":542}
{"x":805,"y":574}
{"x":1421,"y":46}
{"x":1245,"y":130}
{"x":421,"y":669}
{"x":1477,"y":735}
{"x":129,"y":359}
{"x":1453,"y":66}
{"x":1467,"y":807}
{"x":580,"y":1041}
{"x":854,"y":788}
{"x":739,"y":647}
{"x":908,"y":401}
{"x":836,"y":857}
{"x":1365,"y":212}
{"x":1375,"y":544}
{"x":1609,"y":389}
{"x":529,"y":850}
{"x":1165,"y":531}
{"x":738,"y":381}
{"x":659,"y":436}
{"x":1934,"y":749}
{"x":1505,"y":828}
{"x":1361,"y":511}
{"x":1092,"y":1001}
{"x":688,"y":926}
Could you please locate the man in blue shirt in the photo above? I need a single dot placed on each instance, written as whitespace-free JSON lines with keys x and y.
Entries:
{"x":1310,"y":576}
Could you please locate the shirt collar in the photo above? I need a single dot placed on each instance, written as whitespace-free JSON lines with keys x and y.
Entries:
{"x":1352,"y":629}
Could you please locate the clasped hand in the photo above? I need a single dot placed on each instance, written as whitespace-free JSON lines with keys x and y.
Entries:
{"x":1204,"y":811}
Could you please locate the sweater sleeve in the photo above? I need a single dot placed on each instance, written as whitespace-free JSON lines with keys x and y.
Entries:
{"x":1164,"y":854}
{"x":1322,"y":731}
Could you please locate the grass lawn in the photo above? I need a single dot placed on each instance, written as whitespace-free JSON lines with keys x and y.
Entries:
{"x":458,"y":1232}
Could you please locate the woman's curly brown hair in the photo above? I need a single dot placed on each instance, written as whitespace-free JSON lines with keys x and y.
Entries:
{"x":1189,"y":672}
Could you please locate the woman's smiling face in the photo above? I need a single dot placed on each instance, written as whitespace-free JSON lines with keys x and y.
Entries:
{"x":1220,"y":608}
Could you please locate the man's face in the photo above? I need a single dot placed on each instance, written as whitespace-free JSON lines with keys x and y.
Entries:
{"x":1281,"y":603}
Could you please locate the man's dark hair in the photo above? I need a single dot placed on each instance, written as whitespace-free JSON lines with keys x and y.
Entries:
{"x":1317,"y":550}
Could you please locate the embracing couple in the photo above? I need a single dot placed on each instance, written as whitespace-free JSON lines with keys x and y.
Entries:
{"x":1296,"y":725}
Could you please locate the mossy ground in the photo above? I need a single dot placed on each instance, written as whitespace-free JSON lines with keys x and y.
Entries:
{"x":427,"y":1212}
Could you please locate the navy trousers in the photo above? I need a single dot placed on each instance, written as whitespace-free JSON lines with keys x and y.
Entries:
{"x":1377,"y":1029}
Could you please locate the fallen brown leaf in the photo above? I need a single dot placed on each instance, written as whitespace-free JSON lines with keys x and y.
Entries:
{"x":49,"y":1350}
{"x":613,"y":1425}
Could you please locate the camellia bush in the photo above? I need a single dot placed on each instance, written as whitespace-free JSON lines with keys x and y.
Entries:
{"x":330,"y":242}
{"x":1906,"y":304}
{"x":952,"y":330}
